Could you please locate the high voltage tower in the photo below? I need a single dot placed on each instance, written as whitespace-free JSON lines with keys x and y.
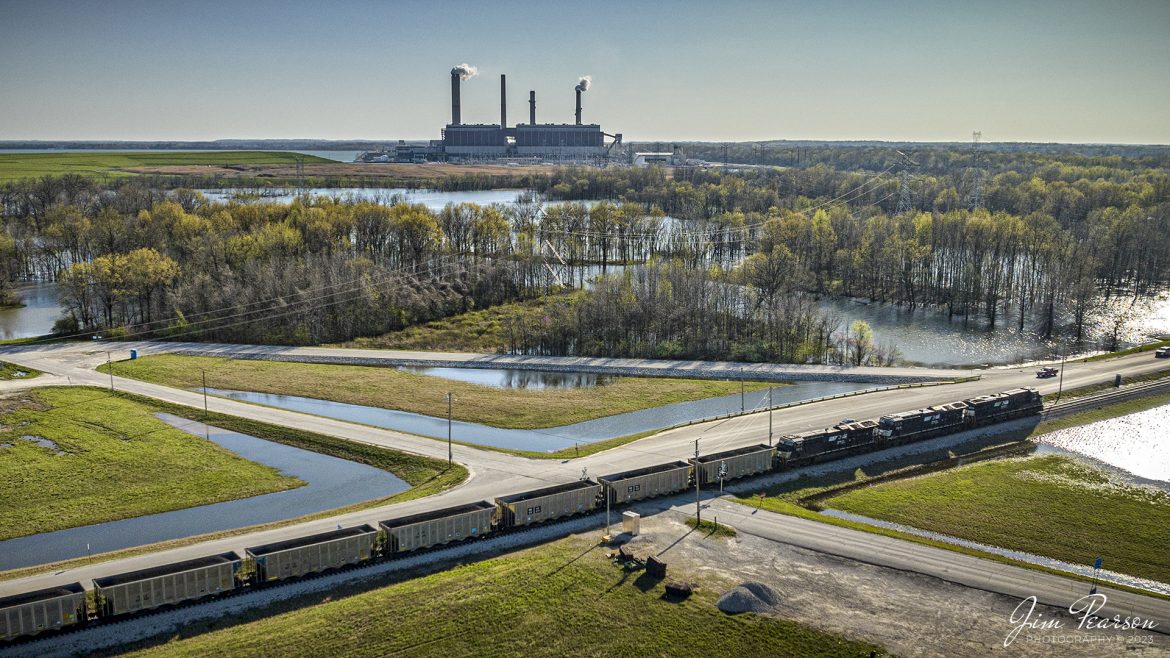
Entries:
{"x":905,"y":195}
{"x":975,"y":199}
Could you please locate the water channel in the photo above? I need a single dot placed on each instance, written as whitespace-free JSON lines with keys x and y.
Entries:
{"x":330,"y":483}
{"x":552,"y":438}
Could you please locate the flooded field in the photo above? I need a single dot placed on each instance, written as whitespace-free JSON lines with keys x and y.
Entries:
{"x":41,"y":309}
{"x":1138,"y":444}
{"x":513,"y":378}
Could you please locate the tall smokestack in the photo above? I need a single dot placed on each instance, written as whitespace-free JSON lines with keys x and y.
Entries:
{"x":454,"y":97}
{"x":532,"y":107}
{"x":582,"y":85}
{"x":503,"y":102}
{"x":461,"y":72}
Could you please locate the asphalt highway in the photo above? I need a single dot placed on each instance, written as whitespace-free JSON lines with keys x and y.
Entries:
{"x":493,"y":473}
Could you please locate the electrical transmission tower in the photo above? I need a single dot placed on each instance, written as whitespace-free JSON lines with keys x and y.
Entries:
{"x":905,"y":195}
{"x":975,"y":199}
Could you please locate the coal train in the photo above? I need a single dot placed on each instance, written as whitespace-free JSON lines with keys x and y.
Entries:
{"x":121,"y":595}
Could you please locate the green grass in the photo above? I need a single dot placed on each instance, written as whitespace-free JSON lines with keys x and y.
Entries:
{"x":1048,"y":505}
{"x":117,"y":461}
{"x":710,"y":528}
{"x":14,"y":166}
{"x":391,"y":388}
{"x":12,"y":371}
{"x":485,"y":330}
{"x":785,"y":498}
{"x":561,"y":599}
{"x":425,"y":475}
{"x":1148,"y":347}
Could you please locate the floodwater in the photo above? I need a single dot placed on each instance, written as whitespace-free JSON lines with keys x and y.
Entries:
{"x":512,"y":378}
{"x":1031,"y":558}
{"x":552,"y":438}
{"x":41,"y":309}
{"x":331,"y":483}
{"x":1138,"y":443}
{"x":927,"y":337}
{"x":432,"y":199}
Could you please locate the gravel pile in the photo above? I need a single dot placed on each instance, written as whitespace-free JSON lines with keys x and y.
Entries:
{"x":748,"y":597}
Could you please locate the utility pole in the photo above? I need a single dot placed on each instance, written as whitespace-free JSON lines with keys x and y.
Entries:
{"x":769,"y":416}
{"x":110,"y":367}
{"x":608,"y":495}
{"x":742,"y":406}
{"x":206,"y":429}
{"x":205,"y":414}
{"x":1060,"y":386}
{"x":450,"y":451}
{"x":698,"y":511}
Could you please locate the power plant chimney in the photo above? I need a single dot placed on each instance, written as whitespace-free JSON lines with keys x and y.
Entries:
{"x":455,"y":97}
{"x":578,"y":106}
{"x":503,"y":102}
{"x":532,"y":107}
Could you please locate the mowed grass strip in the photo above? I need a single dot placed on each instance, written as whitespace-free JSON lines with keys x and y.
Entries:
{"x":13,"y":371}
{"x":15,"y":166}
{"x":113,"y":460}
{"x":561,"y":599}
{"x":390,"y":388}
{"x":1049,"y":505}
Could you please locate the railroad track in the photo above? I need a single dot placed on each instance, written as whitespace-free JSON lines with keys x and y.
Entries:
{"x":1097,"y":400}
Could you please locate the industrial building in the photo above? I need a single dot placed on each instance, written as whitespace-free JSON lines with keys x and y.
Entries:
{"x":578,"y":142}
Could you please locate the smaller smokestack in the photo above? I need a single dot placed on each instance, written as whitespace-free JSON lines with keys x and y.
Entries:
{"x":582,"y":85}
{"x":532,"y":107}
{"x":503,"y":102}
{"x":578,"y":106}
{"x":454,"y":97}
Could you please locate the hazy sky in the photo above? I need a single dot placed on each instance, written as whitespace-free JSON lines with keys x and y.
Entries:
{"x":1058,"y":71}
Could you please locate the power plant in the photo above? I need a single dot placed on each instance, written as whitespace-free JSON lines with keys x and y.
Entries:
{"x":579,"y":142}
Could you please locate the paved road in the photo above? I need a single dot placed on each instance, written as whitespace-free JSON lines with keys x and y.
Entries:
{"x":955,"y":567}
{"x":493,"y":473}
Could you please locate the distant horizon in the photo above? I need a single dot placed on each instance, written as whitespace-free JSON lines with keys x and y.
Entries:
{"x":4,"y":142}
{"x":1037,"y":71}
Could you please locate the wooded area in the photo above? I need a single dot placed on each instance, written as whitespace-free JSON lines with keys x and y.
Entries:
{"x":711,"y":264}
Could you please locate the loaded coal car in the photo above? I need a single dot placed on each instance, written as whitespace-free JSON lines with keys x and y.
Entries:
{"x":548,"y":503}
{"x":42,"y":610}
{"x":313,"y":554}
{"x":735,"y":464}
{"x":1015,"y":403}
{"x":418,"y":531}
{"x":168,"y":584}
{"x":829,"y":443}
{"x":647,"y":482}
{"x":921,"y":423}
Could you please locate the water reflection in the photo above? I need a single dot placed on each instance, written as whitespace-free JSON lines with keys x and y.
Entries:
{"x":1138,"y":443}
{"x":41,"y":309}
{"x":512,"y":378}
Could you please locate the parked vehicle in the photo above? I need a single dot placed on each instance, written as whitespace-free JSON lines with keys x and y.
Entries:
{"x":1045,"y":373}
{"x":1162,"y":353}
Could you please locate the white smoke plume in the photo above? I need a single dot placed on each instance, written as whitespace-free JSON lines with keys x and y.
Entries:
{"x":586,"y":81}
{"x":464,"y":71}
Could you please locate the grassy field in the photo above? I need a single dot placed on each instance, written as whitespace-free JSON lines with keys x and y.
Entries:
{"x":1048,"y":505}
{"x":395,"y":389}
{"x":561,"y":599}
{"x":11,"y":371}
{"x":485,"y":330}
{"x":426,"y":476}
{"x":14,"y":166}
{"x":113,"y":460}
